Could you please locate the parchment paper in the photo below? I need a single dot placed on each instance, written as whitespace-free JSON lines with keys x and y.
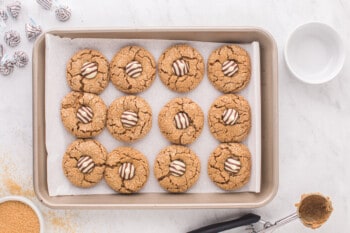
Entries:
{"x":58,"y":52}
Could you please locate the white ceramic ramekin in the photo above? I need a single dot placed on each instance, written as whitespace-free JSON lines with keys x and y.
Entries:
{"x":30,"y":204}
{"x":314,"y":53}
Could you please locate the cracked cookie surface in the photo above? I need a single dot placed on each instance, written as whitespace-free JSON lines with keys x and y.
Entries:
{"x":233,"y":132}
{"x":187,"y":165}
{"x":181,"y":121}
{"x":75,"y":153}
{"x":90,"y":123}
{"x":229,"y":80}
{"x":129,"y":118}
{"x":114,"y":167}
{"x":88,"y":71}
{"x":217,"y":166}
{"x":141,"y":73}
{"x":193,"y":74}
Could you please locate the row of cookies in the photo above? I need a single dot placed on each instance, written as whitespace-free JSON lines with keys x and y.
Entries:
{"x":181,"y":120}
{"x":176,"y":168}
{"x":180,"y":67}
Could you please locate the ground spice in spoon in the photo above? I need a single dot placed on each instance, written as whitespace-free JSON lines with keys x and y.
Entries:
{"x":17,"y":217}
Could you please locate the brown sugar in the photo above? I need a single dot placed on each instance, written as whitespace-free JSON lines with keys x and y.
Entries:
{"x":17,"y":217}
{"x":15,"y":189}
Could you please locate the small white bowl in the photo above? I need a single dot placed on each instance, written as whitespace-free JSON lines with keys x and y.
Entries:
{"x":30,"y":204}
{"x":314,"y":53}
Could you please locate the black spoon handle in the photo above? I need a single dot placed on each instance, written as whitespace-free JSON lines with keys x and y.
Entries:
{"x":222,"y":226}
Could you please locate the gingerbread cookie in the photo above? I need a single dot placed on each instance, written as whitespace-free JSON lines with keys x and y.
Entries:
{"x":133,"y":69}
{"x":229,"y":68}
{"x":181,"y":121}
{"x":181,"y":68}
{"x":229,"y":166}
{"x":129,"y":118}
{"x":83,"y":114}
{"x":126,"y":170}
{"x":177,"y":168}
{"x":229,"y":118}
{"x":88,"y":71}
{"x":84,"y":162}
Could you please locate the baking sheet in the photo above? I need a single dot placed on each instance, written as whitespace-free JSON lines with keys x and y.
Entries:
{"x":58,"y":52}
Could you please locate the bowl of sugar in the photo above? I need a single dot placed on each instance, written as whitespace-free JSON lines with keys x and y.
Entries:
{"x":19,"y":214}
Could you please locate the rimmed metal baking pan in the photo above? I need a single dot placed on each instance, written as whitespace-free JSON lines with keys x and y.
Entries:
{"x":269,"y":123}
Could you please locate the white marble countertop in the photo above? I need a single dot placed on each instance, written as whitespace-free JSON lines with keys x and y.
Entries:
{"x":314,"y":120}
